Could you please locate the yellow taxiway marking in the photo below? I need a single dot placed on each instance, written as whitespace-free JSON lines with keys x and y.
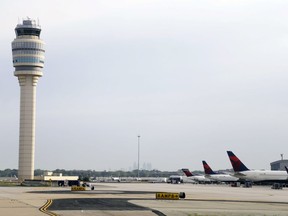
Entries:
{"x":45,"y":206}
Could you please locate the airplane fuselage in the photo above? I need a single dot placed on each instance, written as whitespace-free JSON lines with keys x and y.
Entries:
{"x":200,"y":178}
{"x":222,"y":178}
{"x":262,"y":175}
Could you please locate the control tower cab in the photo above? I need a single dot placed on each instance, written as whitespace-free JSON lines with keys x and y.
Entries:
{"x":28,"y":49}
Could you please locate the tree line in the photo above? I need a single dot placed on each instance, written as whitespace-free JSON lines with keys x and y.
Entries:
{"x":94,"y":174}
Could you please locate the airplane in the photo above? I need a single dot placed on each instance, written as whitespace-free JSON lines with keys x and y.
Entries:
{"x":219,"y":177}
{"x":154,"y":179}
{"x":116,"y":179}
{"x":175,"y":179}
{"x":198,"y":178}
{"x":242,"y":172}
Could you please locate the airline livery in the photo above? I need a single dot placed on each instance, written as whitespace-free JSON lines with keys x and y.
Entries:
{"x":242,"y":172}
{"x":220,"y":177}
{"x":198,"y":178}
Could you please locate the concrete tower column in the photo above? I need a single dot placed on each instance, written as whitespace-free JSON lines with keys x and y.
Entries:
{"x":27,"y":126}
{"x":28,"y":60}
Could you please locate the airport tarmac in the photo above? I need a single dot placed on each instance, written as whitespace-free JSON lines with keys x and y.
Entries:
{"x":125,"y":199}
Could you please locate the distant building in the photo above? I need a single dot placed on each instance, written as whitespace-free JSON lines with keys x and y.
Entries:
{"x":58,"y":178}
{"x":279,"y":165}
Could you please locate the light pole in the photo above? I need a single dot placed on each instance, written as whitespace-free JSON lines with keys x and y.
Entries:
{"x":138,"y":154}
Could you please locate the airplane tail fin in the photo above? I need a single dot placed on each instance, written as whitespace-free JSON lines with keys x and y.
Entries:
{"x":187,"y":172}
{"x":237,"y":165}
{"x":207,"y":169}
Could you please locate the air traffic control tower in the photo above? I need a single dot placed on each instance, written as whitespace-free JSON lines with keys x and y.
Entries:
{"x":28,"y":61}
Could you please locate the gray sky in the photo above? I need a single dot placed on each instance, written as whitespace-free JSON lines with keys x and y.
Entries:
{"x":193,"y":78}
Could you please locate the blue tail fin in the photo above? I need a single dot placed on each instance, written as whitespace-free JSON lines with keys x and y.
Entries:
{"x":207,"y":169}
{"x":187,"y":172}
{"x":237,"y":165}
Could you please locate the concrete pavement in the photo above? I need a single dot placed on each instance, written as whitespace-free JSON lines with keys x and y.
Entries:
{"x":117,"y":199}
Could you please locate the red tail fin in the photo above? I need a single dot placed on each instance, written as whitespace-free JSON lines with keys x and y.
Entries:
{"x":207,"y":169}
{"x":187,"y":172}
{"x":237,"y":165}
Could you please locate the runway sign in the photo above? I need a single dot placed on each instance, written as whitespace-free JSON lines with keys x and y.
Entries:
{"x":77,"y":188}
{"x":167,"y":196}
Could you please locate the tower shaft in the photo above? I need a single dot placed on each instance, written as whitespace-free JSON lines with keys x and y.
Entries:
{"x":27,"y":126}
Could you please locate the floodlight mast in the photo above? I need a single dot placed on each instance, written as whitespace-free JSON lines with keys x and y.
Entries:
{"x":138,"y":174}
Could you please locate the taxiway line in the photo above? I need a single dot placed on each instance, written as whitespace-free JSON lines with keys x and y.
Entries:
{"x":45,"y":206}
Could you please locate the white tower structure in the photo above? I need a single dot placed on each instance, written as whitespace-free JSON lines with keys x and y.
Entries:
{"x":28,"y":60}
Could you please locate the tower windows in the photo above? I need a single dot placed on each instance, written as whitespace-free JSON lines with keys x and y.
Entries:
{"x":28,"y":31}
{"x":28,"y":59}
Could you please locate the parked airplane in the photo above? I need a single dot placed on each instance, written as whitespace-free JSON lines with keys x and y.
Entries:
{"x":154,"y":179}
{"x":175,"y":179}
{"x":116,"y":179}
{"x":219,"y":177}
{"x":198,"y":178}
{"x":242,"y":172}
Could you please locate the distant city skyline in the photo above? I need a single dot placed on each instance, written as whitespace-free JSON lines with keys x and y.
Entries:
{"x":194,"y":78}
{"x":144,"y":166}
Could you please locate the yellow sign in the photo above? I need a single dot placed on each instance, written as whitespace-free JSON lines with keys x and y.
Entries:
{"x":77,"y":188}
{"x":169,"y":196}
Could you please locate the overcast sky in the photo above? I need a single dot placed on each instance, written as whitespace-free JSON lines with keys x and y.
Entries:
{"x":192,"y":78}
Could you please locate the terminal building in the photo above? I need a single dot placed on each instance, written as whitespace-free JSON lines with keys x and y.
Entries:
{"x":280,"y":164}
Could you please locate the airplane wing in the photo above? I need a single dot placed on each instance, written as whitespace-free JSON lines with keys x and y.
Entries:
{"x":237,"y":174}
